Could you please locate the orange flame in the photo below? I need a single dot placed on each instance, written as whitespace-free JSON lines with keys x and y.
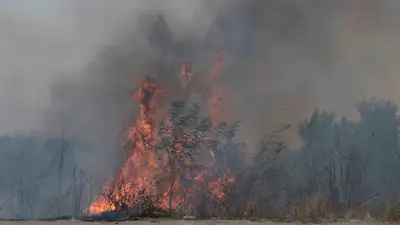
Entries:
{"x":142,"y":166}
{"x":186,"y":74}
{"x":217,"y":100}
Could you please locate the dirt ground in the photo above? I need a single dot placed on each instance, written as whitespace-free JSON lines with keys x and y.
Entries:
{"x":176,"y":222}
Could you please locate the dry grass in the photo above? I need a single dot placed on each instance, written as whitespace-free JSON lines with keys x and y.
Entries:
{"x":393,"y":213}
{"x":357,"y":213}
{"x":314,"y":208}
{"x":317,"y":208}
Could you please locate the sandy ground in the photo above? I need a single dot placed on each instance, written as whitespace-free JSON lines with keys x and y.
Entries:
{"x":177,"y":222}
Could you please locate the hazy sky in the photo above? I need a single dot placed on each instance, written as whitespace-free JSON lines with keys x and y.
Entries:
{"x":34,"y":49}
{"x":35,"y":8}
{"x":45,"y":41}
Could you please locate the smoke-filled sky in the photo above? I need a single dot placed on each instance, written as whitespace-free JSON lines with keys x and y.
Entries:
{"x":47,"y":41}
{"x":331,"y":56}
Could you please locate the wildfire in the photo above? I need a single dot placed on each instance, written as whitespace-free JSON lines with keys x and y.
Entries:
{"x":186,"y":74}
{"x":216,"y":69}
{"x":142,"y":165}
{"x":217,"y":100}
{"x":217,"y":188}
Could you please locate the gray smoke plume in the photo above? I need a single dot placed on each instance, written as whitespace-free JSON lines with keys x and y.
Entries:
{"x":69,"y":66}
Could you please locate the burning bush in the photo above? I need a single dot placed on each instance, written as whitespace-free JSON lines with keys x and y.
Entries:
{"x":171,"y":157}
{"x":123,"y":200}
{"x":180,"y":158}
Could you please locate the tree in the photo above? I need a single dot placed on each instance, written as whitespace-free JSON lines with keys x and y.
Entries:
{"x":181,"y":134}
{"x":377,"y":136}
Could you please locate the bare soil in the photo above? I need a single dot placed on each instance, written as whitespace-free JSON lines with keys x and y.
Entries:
{"x":178,"y":222}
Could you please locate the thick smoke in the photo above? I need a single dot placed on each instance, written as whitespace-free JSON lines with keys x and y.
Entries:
{"x":69,"y":66}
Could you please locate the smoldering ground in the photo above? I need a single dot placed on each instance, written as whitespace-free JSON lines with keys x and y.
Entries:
{"x":70,"y":66}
